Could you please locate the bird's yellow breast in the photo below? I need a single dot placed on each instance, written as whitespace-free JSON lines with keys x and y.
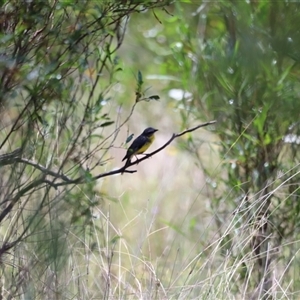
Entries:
{"x":150,"y":140}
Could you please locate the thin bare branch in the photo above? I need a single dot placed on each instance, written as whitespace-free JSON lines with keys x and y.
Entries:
{"x":124,"y":169}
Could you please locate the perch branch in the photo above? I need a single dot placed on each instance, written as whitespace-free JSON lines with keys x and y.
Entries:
{"x":125,"y":167}
{"x":174,"y":136}
{"x":66,"y":180}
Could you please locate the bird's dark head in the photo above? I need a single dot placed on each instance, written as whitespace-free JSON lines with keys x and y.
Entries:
{"x":149,"y":131}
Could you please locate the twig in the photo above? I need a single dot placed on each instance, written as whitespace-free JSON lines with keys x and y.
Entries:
{"x":14,"y":156}
{"x":174,"y":136}
{"x":43,"y":169}
{"x":81,"y":180}
{"x":10,"y":158}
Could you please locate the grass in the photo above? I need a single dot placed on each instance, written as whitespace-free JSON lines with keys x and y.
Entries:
{"x":143,"y":247}
{"x":155,"y":235}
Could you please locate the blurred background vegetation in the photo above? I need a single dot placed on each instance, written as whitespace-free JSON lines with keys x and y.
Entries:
{"x":212,"y":216}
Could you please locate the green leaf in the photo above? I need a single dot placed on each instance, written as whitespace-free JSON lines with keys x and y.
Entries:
{"x":140,"y":78}
{"x":261,"y":119}
{"x":107,"y":123}
{"x":105,"y":116}
{"x":129,"y":138}
{"x":154,"y":97}
{"x":267,"y":139}
{"x":97,"y":136}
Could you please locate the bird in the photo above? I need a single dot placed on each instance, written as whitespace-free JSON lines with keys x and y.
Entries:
{"x":140,"y":144}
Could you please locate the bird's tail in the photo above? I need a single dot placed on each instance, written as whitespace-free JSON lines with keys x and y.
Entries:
{"x":128,"y":161}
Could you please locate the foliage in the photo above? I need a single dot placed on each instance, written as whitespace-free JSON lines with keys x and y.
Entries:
{"x":241,"y":66}
{"x":236,"y":62}
{"x":58,"y":64}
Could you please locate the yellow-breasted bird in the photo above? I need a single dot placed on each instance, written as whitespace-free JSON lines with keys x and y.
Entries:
{"x":140,"y":144}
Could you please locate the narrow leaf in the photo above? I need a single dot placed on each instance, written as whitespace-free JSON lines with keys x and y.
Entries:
{"x":154,"y":97}
{"x":129,"y":138}
{"x":140,"y":78}
{"x":107,"y":123}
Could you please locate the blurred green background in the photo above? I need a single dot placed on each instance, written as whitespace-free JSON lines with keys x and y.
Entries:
{"x":230,"y":189}
{"x":215,"y":215}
